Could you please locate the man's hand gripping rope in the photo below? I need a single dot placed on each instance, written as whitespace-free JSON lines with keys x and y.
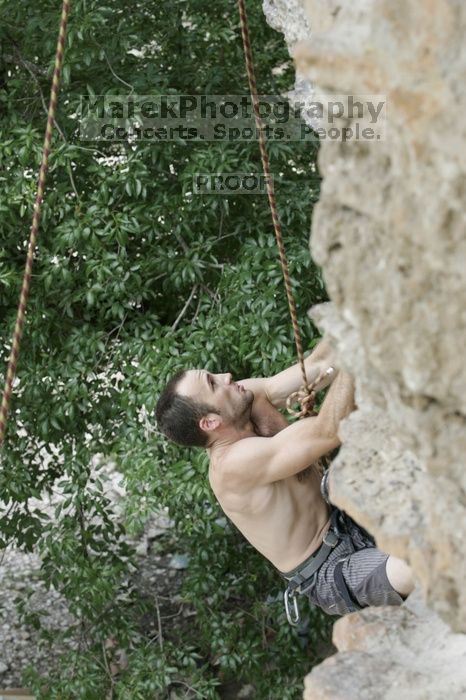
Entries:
{"x":306,"y":397}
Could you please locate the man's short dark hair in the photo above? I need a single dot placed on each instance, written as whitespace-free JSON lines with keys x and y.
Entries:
{"x":178,"y":416}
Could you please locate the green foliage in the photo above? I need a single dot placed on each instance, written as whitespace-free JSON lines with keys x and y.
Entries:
{"x":123,"y":246}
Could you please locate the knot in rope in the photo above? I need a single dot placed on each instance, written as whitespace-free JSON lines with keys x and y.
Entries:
{"x":306,"y":399}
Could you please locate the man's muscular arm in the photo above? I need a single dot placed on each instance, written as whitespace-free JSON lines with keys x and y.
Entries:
{"x":268,"y":421}
{"x":276,"y":389}
{"x":257,"y":461}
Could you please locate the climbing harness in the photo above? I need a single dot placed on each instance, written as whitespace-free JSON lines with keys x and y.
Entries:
{"x":21,"y":314}
{"x":303,"y":579}
{"x":305,"y":396}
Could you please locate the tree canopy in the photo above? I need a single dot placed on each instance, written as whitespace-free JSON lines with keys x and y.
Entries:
{"x":135,"y":277}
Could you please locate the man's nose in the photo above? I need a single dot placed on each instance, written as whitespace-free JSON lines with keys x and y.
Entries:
{"x":228,"y":377}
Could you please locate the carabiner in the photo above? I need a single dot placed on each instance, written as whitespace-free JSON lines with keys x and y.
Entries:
{"x":295,"y":618}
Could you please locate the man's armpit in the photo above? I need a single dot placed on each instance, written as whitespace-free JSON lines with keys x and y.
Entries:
{"x":267,"y":419}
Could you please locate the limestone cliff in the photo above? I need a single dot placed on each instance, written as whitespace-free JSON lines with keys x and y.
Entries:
{"x":389,"y":232}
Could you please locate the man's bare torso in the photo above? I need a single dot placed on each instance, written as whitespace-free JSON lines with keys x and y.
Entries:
{"x":285,"y":520}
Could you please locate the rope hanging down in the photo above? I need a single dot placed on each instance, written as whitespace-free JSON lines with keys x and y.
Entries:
{"x":20,"y":317}
{"x":305,"y":396}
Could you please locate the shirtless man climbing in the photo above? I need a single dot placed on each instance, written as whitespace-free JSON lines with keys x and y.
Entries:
{"x":260,"y":473}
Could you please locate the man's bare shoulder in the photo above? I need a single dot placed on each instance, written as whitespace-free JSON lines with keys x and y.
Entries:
{"x":237,"y":453}
{"x":232,"y":467}
{"x":234,"y":478}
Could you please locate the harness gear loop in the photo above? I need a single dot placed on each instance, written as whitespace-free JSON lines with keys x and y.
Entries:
{"x":302,"y":397}
{"x":21,"y":313}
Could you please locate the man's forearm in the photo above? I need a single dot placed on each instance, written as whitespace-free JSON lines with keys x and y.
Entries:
{"x":281,"y":385}
{"x":338,"y":403}
{"x":323,"y":352}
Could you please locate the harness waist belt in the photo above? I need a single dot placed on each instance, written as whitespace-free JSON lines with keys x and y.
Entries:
{"x":311,"y":565}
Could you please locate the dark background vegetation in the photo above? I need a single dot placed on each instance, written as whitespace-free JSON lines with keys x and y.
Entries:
{"x":123,"y":246}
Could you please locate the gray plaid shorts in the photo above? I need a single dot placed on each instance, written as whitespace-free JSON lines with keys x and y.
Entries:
{"x":363,"y":568}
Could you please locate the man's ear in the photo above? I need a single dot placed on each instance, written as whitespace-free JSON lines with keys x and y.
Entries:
{"x":210,"y":422}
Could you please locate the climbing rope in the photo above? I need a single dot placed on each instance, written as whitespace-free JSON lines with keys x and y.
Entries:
{"x":21,"y":314}
{"x":305,"y":396}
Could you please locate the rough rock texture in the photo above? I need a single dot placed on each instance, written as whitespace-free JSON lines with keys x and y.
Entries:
{"x":389,"y":232}
{"x":394,"y":654}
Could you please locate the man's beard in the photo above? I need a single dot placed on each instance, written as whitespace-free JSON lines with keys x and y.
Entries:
{"x":243,"y":414}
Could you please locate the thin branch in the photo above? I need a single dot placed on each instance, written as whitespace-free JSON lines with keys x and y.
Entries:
{"x":92,"y":150}
{"x":14,"y":505}
{"x":32,"y":67}
{"x":182,"y":243}
{"x":109,"y":673}
{"x":82,"y":529}
{"x":171,"y":617}
{"x":159,"y":623}
{"x":213,"y":295}
{"x":117,"y":76}
{"x":227,"y":235}
{"x":197,"y":309}
{"x":189,"y":687}
{"x":111,"y":68}
{"x":185,"y":308}
{"x":33,"y":75}
{"x":220,"y":228}
{"x":73,"y":184}
{"x":107,"y":340}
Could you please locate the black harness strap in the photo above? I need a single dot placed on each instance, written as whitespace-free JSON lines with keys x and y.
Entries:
{"x":302,"y":580}
{"x":308,"y":571}
{"x":343,"y":588}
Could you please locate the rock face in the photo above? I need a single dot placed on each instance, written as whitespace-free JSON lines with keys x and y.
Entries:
{"x":394,"y":654}
{"x":389,"y":233}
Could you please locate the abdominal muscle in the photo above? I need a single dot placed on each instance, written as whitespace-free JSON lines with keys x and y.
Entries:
{"x":285,"y":521}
